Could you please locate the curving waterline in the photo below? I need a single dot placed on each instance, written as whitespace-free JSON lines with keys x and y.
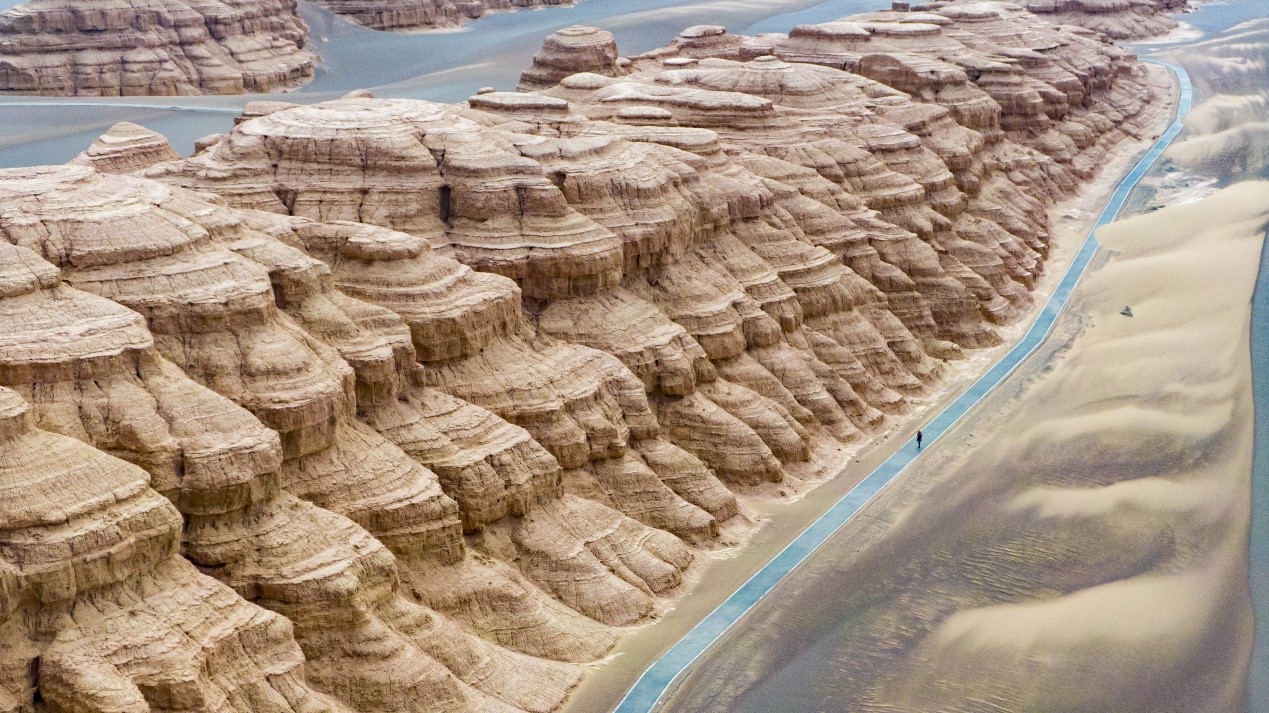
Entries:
{"x":656,"y":680}
{"x":1258,"y":546}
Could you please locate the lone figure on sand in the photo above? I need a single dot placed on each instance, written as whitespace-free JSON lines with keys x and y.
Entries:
{"x":918,"y":440}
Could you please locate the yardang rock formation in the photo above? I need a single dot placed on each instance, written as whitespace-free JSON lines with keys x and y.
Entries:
{"x":397,"y":406}
{"x":140,"y":47}
{"x":1119,"y":19}
{"x":426,"y":14}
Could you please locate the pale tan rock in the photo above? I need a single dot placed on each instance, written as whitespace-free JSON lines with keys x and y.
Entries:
{"x":569,"y":51}
{"x":1118,"y":19}
{"x":493,"y":469}
{"x":80,"y":528}
{"x":727,"y":444}
{"x":918,"y":278}
{"x":577,"y":433}
{"x":707,"y":41}
{"x":637,"y":490}
{"x":580,"y":551}
{"x":427,"y":14}
{"x":333,"y":459}
{"x":275,"y":551}
{"x":126,"y":148}
{"x":145,"y":47}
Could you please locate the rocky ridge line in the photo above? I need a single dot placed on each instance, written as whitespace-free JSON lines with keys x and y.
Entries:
{"x":1118,"y":19}
{"x":405,"y":15}
{"x":153,"y":47}
{"x":447,"y":395}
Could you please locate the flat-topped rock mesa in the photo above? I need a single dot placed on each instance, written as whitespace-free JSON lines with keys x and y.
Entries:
{"x":765,"y":252}
{"x":450,"y":394}
{"x":427,"y":14}
{"x":152,"y":47}
{"x":1118,"y":19}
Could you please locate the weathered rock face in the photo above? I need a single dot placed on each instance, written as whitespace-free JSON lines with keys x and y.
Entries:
{"x":205,"y":289}
{"x":570,"y":51}
{"x":426,"y":14}
{"x":127,"y":147}
{"x":164,"y":47}
{"x":457,"y":390}
{"x":1119,"y":19}
{"x":174,"y":47}
{"x":81,"y":530}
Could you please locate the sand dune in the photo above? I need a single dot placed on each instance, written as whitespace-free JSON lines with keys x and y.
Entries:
{"x":1238,"y":151}
{"x":1225,"y":111}
{"x":1146,"y":420}
{"x":1090,"y":553}
{"x":1228,"y":137}
{"x":1234,"y":62}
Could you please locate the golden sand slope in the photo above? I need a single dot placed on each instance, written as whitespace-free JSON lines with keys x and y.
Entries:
{"x":1228,"y":136}
{"x":1130,"y":464}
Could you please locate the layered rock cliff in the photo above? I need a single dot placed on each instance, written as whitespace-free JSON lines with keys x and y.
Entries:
{"x":451,"y":393}
{"x":146,"y":47}
{"x":175,"y":47}
{"x":1118,"y":19}
{"x":426,"y":14}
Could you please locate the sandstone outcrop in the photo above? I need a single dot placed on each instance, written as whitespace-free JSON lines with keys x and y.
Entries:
{"x":83,"y":530}
{"x":1118,"y":19}
{"x":570,"y":51}
{"x":456,"y":391}
{"x":426,"y":14}
{"x":252,"y":531}
{"x":125,"y":148}
{"x":172,"y":47}
{"x":147,"y":47}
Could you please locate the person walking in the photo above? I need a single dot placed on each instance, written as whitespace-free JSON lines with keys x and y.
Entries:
{"x":919,"y":434}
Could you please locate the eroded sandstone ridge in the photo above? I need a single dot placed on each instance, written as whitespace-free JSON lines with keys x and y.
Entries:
{"x":1118,"y":19}
{"x":147,"y":47}
{"x":426,"y":14}
{"x":421,"y":403}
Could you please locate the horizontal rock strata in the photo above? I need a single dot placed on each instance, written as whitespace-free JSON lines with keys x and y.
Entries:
{"x":1119,"y":19}
{"x":149,"y":47}
{"x":172,"y":47}
{"x":426,"y":14}
{"x":411,"y":407}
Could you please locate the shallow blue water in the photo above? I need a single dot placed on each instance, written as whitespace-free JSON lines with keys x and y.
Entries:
{"x":439,"y":66}
{"x":493,"y":50}
{"x":1258,"y":683}
{"x":1220,"y":16}
{"x":826,"y":11}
